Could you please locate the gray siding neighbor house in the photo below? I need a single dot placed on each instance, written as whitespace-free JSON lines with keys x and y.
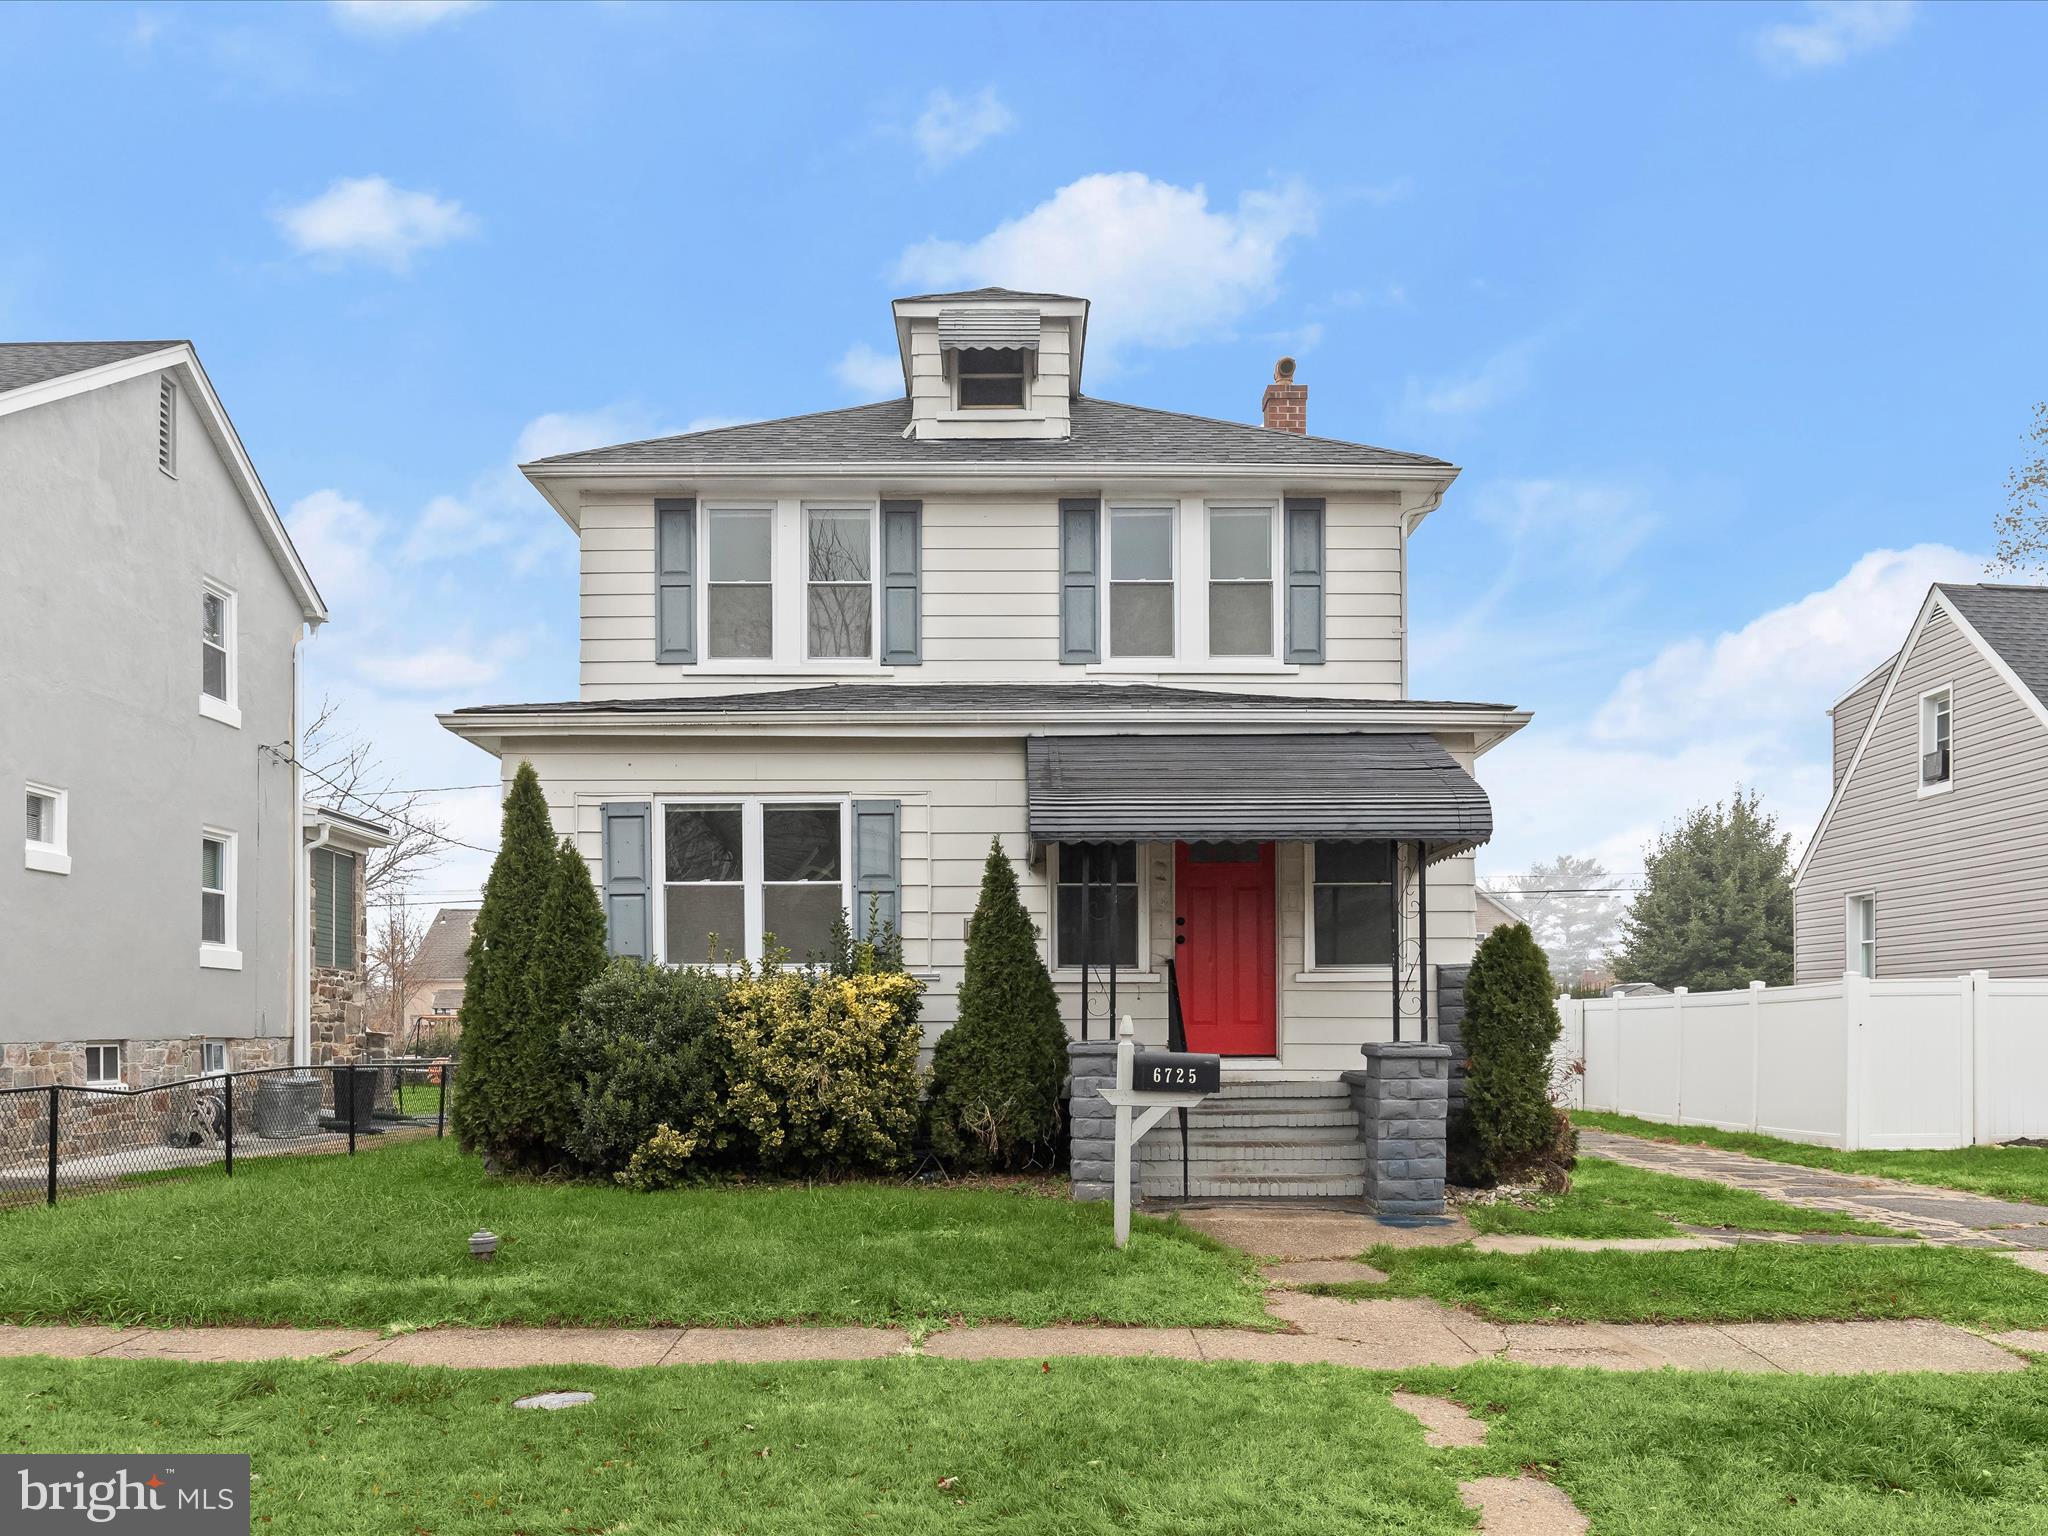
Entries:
{"x":1932,"y":857}
{"x":151,"y":607}
{"x":1161,"y":658}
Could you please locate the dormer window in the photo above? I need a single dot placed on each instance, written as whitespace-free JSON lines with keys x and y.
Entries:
{"x":991,"y":378}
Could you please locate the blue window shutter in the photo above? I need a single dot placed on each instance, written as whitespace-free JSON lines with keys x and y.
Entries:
{"x":1306,"y":562}
{"x":1080,"y":579}
{"x":628,"y":841}
{"x":877,"y":840}
{"x":675,"y":580}
{"x":902,"y":575}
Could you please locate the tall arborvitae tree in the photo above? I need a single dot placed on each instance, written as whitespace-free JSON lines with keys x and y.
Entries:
{"x":488,"y":1097}
{"x":996,"y":1074}
{"x":1508,"y":1125}
{"x":1715,"y":912}
{"x":568,"y":955}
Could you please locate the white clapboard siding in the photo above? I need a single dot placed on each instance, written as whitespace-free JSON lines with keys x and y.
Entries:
{"x":1958,"y":876}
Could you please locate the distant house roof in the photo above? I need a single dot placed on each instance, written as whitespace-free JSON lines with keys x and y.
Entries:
{"x":1503,"y":912}
{"x":963,"y":698}
{"x":1104,"y":432}
{"x":444,"y":952}
{"x":2013,"y":621}
{"x":23,"y":363}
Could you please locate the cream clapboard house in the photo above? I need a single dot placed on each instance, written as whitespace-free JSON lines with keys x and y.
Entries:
{"x":1163,"y":658}
{"x":1932,"y":856}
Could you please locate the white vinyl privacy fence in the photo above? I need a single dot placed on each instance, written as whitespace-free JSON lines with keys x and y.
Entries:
{"x":1849,"y":1063}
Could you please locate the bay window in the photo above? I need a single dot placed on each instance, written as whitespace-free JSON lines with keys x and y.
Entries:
{"x":741,"y":875}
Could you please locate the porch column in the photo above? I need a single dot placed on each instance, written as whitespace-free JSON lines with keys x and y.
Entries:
{"x":1402,"y":1097}
{"x":1091,"y":1151}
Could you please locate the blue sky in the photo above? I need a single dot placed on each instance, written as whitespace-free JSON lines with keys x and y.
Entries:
{"x":1733,"y":315}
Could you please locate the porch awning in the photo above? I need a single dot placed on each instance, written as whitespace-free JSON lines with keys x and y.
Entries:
{"x":1231,"y":788}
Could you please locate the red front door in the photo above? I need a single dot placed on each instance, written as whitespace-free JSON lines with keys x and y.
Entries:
{"x":1223,"y":949}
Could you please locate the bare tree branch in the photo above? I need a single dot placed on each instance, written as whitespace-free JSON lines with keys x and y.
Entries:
{"x":395,"y":945}
{"x":343,"y":771}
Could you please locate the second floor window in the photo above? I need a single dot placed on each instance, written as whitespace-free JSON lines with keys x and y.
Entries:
{"x":215,"y":871}
{"x":1140,"y":581}
{"x":216,"y":618}
{"x":739,"y":599}
{"x":840,"y":602}
{"x":1936,"y":730}
{"x":1240,"y":581}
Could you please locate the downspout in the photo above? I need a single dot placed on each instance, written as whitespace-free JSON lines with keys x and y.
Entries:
{"x":302,"y":975}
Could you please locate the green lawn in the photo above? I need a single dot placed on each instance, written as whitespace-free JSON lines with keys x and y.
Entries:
{"x":1754,"y":1282}
{"x":381,"y":1239}
{"x":2011,"y":1173}
{"x":1613,"y":1200}
{"x":923,"y":1446}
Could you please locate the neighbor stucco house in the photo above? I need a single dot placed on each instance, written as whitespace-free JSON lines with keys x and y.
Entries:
{"x":438,"y":975}
{"x":1932,"y":856}
{"x":151,"y":609}
{"x":1163,"y":659}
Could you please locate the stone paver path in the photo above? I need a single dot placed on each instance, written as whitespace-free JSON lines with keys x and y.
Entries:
{"x":1523,"y":1506}
{"x":1951,"y":1217}
{"x":1445,"y":1424}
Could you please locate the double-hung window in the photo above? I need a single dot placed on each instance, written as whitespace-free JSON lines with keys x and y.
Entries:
{"x":991,"y":378}
{"x":1240,"y":581}
{"x":1937,"y":726}
{"x":1352,"y":903}
{"x":1863,"y":935}
{"x":103,"y":1066}
{"x":739,"y":595}
{"x":217,"y":655}
{"x":217,"y":902}
{"x":840,"y":603}
{"x":1097,"y":899}
{"x":47,"y":847}
{"x":1141,"y":581}
{"x":741,"y":875}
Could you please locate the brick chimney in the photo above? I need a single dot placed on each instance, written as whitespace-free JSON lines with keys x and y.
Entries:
{"x":1285,"y":406}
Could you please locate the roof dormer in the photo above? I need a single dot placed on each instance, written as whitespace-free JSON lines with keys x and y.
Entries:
{"x":991,"y":362}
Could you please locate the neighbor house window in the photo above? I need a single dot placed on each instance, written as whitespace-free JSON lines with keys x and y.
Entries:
{"x":1352,"y":903}
{"x":167,"y":426}
{"x":1863,"y":935}
{"x":1936,"y":732}
{"x":1141,"y":581}
{"x":48,"y":848}
{"x":1097,"y":901}
{"x":840,"y":604}
{"x":213,"y":1058}
{"x":103,"y":1066}
{"x":334,"y":909}
{"x":1240,"y":581}
{"x":991,"y":378}
{"x":217,"y":655}
{"x":739,"y":602}
{"x":217,"y":901}
{"x":738,"y":875}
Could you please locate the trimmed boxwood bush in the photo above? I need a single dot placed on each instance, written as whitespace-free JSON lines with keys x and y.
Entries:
{"x":1509,"y":1127}
{"x":642,"y":1051}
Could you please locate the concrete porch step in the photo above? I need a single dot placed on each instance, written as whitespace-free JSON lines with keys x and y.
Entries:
{"x":1203,"y":1137}
{"x":1262,"y":1117}
{"x":1252,"y":1187}
{"x":1273,"y":1162}
{"x":1251,"y":1085}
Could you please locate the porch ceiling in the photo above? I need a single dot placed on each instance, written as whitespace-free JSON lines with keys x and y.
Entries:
{"x":1400,"y":786}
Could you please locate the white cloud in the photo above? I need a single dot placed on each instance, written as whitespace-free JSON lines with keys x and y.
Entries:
{"x":950,"y":127}
{"x":337,"y":539}
{"x":1834,"y":31}
{"x":870,"y":374}
{"x":390,"y":18}
{"x":572,"y":431}
{"x":1787,"y":665}
{"x":369,"y":218}
{"x":440,"y":668}
{"x":1500,"y":377}
{"x":1163,"y":267}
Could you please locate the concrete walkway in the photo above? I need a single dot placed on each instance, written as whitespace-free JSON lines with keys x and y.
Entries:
{"x":1394,"y":1334}
{"x":1952,"y":1218}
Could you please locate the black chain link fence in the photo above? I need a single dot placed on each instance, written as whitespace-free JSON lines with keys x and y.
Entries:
{"x":64,"y":1140}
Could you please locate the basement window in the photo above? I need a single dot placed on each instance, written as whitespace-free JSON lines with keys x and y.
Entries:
{"x":990,"y":378}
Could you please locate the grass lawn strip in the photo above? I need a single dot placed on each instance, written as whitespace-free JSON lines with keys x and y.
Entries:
{"x":1126,"y":1446}
{"x":1755,"y":1282}
{"x":2009,"y":1173}
{"x":380,"y":1240}
{"x":1609,"y":1199}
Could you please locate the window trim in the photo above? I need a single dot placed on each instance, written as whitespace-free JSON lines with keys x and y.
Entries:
{"x":752,"y":885}
{"x":1023,"y":375}
{"x":872,"y":510}
{"x":1171,"y":510}
{"x":1146,"y":969}
{"x":1275,"y":555}
{"x":226,"y":710}
{"x":52,"y":855}
{"x":770,"y":513}
{"x":1310,"y":971}
{"x":225,"y":956}
{"x":1853,"y":905}
{"x":85,"y":1064}
{"x":1925,"y":719}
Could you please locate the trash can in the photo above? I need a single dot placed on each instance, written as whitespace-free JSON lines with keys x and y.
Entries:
{"x":363,"y":1082}
{"x":287,"y":1107}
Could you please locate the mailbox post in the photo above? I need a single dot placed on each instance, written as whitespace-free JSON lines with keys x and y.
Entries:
{"x":1148,"y":1084}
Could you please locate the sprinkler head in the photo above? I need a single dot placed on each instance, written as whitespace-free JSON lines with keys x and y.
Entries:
{"x":482,"y":1245}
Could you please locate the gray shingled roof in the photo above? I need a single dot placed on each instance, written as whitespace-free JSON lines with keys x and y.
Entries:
{"x":966,"y":698}
{"x":444,"y":952}
{"x":985,"y":293}
{"x":2013,"y":621}
{"x":23,"y":363}
{"x":1104,"y":432}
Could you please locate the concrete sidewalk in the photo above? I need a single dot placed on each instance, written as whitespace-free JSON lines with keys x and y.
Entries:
{"x":1373,"y":1335}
